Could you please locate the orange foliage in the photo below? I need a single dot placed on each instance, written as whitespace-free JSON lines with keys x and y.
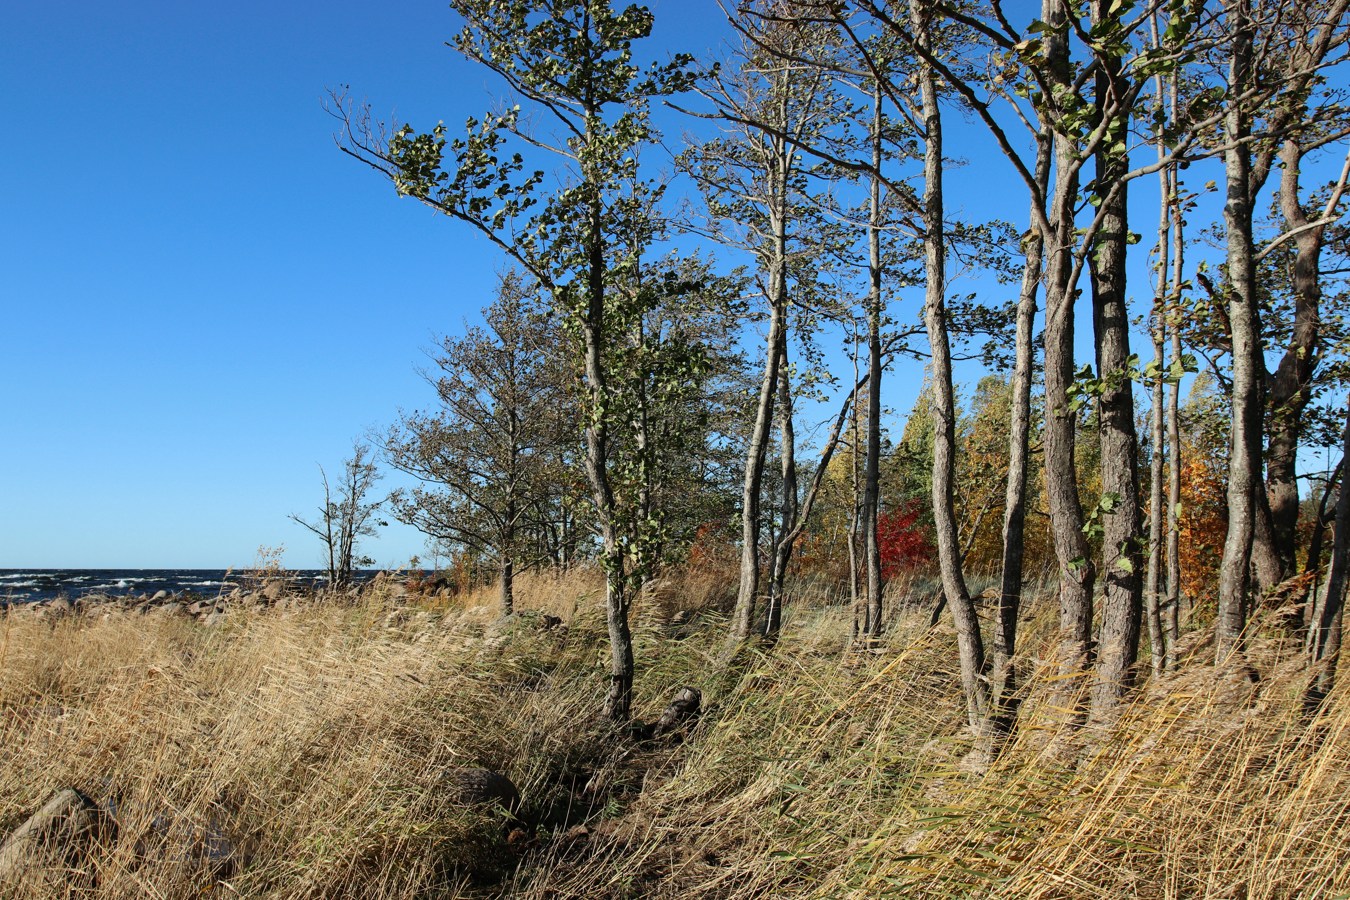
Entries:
{"x":1204,"y":523}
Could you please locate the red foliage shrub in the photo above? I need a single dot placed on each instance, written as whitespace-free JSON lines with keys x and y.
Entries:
{"x":903,"y":538}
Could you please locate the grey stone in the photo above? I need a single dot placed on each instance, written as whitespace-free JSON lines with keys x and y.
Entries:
{"x":482,"y":787}
{"x":682,"y":712}
{"x":60,"y":831}
{"x":59,"y":607}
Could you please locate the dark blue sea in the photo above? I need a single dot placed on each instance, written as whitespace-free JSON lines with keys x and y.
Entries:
{"x":28,"y":585}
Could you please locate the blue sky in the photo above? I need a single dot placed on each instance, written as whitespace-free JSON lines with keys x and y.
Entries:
{"x":202,"y":298}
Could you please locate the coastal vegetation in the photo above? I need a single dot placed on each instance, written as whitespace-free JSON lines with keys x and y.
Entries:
{"x":307,"y":748}
{"x":712,"y":621}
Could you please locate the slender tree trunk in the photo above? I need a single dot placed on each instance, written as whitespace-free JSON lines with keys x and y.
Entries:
{"x":969,"y":641}
{"x":855,"y":520}
{"x":1076,"y":571}
{"x":1153,"y":587}
{"x":875,"y":302}
{"x":1312,"y":567}
{"x":508,"y":586}
{"x":743,"y":618}
{"x":1157,"y":515}
{"x":1291,"y":383}
{"x":1324,"y":640}
{"x":1173,"y":605}
{"x":1122,"y":563}
{"x":1266,"y":567}
{"x":787,"y":534}
{"x":1019,"y":445}
{"x":618,"y":700}
{"x":1244,"y":462}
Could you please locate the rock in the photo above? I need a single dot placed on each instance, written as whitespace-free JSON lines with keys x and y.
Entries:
{"x":160,"y":596}
{"x":59,"y":607}
{"x":681,"y":714}
{"x":58,"y":833}
{"x":482,"y":787}
{"x":168,"y":610}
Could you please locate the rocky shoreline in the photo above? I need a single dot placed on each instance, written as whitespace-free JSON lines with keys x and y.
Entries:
{"x":274,"y":593}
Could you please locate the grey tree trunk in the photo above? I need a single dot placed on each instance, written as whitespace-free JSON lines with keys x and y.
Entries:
{"x":508,"y":598}
{"x":747,"y":597}
{"x":855,"y":595}
{"x":619,"y":698}
{"x":872,"y":475}
{"x":1076,"y":571}
{"x":1243,"y":315}
{"x":1173,"y":605}
{"x":1324,"y":640}
{"x":1313,"y":565}
{"x":969,"y":641}
{"x":1153,"y":588}
{"x":1157,"y":513}
{"x":1019,"y":443}
{"x":788,"y":530}
{"x":794,"y":523}
{"x":1291,"y":383}
{"x":1122,"y":556}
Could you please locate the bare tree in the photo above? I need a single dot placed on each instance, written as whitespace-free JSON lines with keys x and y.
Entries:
{"x":347,"y":515}
{"x":754,"y":181}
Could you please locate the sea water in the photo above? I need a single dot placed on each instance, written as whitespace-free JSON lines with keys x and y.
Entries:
{"x":31,"y":585}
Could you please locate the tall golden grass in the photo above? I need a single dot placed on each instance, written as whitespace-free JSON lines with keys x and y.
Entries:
{"x":305,"y":752}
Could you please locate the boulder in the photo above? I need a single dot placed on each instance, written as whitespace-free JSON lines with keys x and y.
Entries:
{"x":482,"y":787}
{"x":160,"y":596}
{"x":56,"y":835}
{"x":59,"y":607}
{"x":681,"y":714}
{"x":169,"y":610}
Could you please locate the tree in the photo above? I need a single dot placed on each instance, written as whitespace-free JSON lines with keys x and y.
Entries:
{"x":755,"y":185}
{"x":572,"y":63}
{"x":486,"y":455}
{"x":347,"y":515}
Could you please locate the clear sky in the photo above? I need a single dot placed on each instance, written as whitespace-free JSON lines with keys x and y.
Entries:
{"x":202,"y":298}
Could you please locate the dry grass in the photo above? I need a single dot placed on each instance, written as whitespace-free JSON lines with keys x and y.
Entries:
{"x":313,"y":743}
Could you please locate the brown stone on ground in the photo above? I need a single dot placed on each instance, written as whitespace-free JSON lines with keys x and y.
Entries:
{"x":482,"y":787}
{"x":59,"y":607}
{"x":52,"y":839}
{"x":682,"y":712}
